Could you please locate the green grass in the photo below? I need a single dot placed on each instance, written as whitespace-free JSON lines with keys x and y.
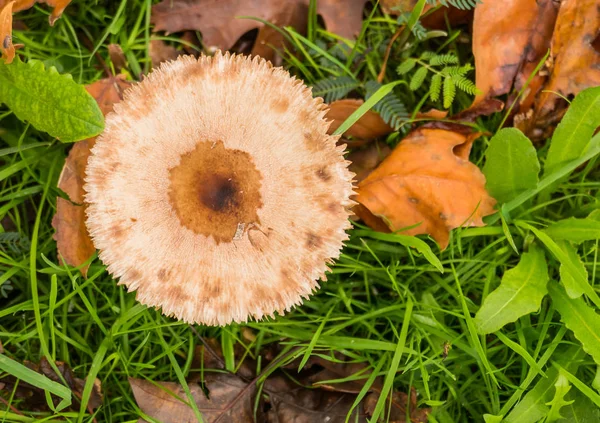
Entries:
{"x":383,"y":302}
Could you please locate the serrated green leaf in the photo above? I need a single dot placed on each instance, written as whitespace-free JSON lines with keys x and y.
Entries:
{"x":417,"y":79}
{"x":567,"y":279}
{"x":520,"y":292}
{"x":406,"y":66}
{"x":580,"y":318}
{"x":575,"y":130}
{"x":435,"y":88}
{"x":575,"y":230}
{"x":532,"y":406}
{"x":561,"y":388}
{"x":449,"y":91}
{"x":51,"y":102}
{"x":511,"y":165}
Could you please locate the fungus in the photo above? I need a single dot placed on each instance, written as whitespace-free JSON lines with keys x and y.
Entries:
{"x":215,"y":191}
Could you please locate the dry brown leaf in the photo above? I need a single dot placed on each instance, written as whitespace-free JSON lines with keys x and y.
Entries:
{"x":58,"y":5}
{"x":162,"y":52}
{"x":6,"y":47}
{"x":574,"y":65}
{"x":72,"y":238}
{"x":368,"y":127}
{"x":427,"y":181}
{"x":117,"y":57}
{"x":363,"y":161}
{"x":35,"y":398}
{"x":230,"y":400}
{"x":508,"y":36}
{"x":399,"y":404}
{"x":216,"y":19}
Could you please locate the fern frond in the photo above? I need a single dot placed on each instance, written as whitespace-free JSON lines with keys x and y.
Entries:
{"x":436,"y":87}
{"x":443,"y":59}
{"x":417,"y":79}
{"x":449,"y":91}
{"x":459,"y":4}
{"x":334,"y":88}
{"x":456,"y":70}
{"x":464,"y":84}
{"x":390,"y":108}
{"x":406,"y":66}
{"x":14,"y":242}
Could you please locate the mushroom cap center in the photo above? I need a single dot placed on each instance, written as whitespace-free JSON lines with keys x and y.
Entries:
{"x":214,"y":189}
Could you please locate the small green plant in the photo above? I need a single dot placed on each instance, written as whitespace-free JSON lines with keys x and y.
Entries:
{"x":447,"y":76}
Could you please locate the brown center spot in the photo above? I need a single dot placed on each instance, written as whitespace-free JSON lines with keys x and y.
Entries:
{"x":214,"y":188}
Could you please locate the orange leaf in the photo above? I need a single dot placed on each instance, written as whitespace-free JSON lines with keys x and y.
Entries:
{"x":365,"y":160}
{"x":574,"y":65}
{"x":72,"y":239}
{"x":368,"y":127}
{"x":426,"y":181}
{"x":509,"y":36}
{"x":7,"y":48}
{"x":59,"y":7}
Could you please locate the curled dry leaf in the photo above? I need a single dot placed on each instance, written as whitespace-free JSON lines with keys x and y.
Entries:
{"x":574,"y":65}
{"x":427,"y":181}
{"x":58,"y":5}
{"x":368,"y":127}
{"x":117,"y":57}
{"x":6,"y":46}
{"x":72,"y":238}
{"x":220,"y":28}
{"x":509,"y":36}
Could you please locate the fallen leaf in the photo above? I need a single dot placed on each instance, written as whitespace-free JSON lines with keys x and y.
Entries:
{"x":574,"y":65}
{"x":216,"y":19}
{"x":368,"y":127}
{"x":162,"y":52}
{"x":432,"y":114}
{"x":293,"y":403}
{"x":363,"y":161}
{"x":73,"y":241}
{"x":6,"y":46}
{"x":58,"y":5}
{"x":117,"y":57}
{"x":230,"y":399}
{"x":508,"y":36}
{"x":34,"y":398}
{"x":400,"y":403}
{"x":429,"y":182}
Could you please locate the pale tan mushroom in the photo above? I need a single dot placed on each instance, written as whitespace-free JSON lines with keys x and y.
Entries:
{"x":215,"y":191}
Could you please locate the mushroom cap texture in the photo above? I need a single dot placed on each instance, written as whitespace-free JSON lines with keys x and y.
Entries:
{"x":215,"y":191}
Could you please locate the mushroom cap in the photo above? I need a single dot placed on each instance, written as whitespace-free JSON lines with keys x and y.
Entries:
{"x":215,"y":191}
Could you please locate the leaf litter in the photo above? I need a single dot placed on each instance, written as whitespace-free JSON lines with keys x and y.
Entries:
{"x":286,"y":395}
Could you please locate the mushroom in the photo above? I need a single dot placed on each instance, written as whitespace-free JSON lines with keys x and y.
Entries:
{"x":215,"y":191}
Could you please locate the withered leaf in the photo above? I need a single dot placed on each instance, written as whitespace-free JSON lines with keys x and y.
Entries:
{"x":162,"y":52}
{"x":58,"y":5}
{"x":509,"y":36}
{"x":400,"y":402}
{"x":216,"y":19}
{"x":230,"y":400}
{"x":73,"y":241}
{"x":363,"y":161}
{"x":6,"y":45}
{"x":574,"y":65}
{"x":34,"y":398}
{"x":427,"y":181}
{"x":117,"y":57}
{"x":368,"y":127}
{"x":294,"y":403}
